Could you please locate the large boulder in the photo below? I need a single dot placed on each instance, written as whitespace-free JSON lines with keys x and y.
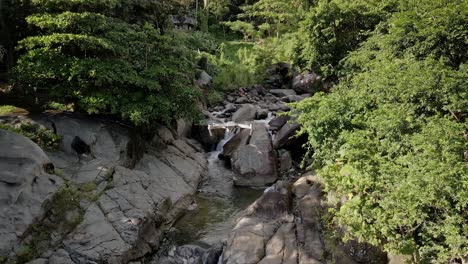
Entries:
{"x":286,"y":136}
{"x":25,"y":184}
{"x":307,"y":83}
{"x":246,"y":113}
{"x":248,"y":241}
{"x":254,"y":163}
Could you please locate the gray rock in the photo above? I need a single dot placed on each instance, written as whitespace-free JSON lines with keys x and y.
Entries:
{"x":306,"y":83}
{"x":246,"y":113}
{"x":95,"y":239}
{"x":262,"y":114}
{"x":184,"y":128}
{"x":247,"y":241}
{"x":281,"y":248}
{"x":242,"y":100}
{"x":278,"y":122}
{"x":282,"y":92}
{"x":285,"y":161}
{"x":24,"y":187}
{"x":204,"y":79}
{"x":254,"y":164}
{"x":60,"y":257}
{"x":286,"y":135}
{"x":229,"y":108}
{"x":292,"y":98}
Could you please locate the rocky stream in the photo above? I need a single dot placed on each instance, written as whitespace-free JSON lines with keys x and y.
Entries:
{"x":227,"y":190}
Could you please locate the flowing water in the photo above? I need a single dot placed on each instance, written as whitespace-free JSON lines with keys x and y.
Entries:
{"x":218,"y":203}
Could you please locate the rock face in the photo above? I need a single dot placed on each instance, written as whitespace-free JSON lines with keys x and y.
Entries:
{"x":25,"y":184}
{"x":247,"y":241}
{"x":128,"y":207}
{"x":254,"y":161}
{"x":271,"y":231}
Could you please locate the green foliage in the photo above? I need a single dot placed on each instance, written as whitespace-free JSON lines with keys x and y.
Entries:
{"x":63,"y":214}
{"x":334,"y":28}
{"x":5,"y":109}
{"x":41,"y":136}
{"x":105,"y":64}
{"x":391,"y":137}
{"x":214,"y":97}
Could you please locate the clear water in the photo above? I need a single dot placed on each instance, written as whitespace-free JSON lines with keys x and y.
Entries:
{"x":218,"y":204}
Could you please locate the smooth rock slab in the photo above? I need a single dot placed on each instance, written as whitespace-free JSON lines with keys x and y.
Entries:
{"x":24,"y":187}
{"x":95,"y":239}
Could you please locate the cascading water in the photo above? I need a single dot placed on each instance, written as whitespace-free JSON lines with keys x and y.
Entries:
{"x":218,"y":203}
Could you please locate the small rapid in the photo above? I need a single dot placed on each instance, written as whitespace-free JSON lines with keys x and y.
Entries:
{"x":217,"y":205}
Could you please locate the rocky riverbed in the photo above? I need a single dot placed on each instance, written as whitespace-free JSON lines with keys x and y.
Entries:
{"x":225,"y":190}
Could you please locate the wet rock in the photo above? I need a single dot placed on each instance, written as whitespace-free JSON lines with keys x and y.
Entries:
{"x":278,"y":122}
{"x":24,"y":186}
{"x":201,"y":133}
{"x":307,"y":83}
{"x":262,"y":114}
{"x":283,"y":92}
{"x":246,"y":113}
{"x":235,"y":142}
{"x":247,"y":241}
{"x":254,"y":164}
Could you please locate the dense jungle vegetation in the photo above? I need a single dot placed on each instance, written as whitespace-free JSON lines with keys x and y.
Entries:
{"x":388,"y":131}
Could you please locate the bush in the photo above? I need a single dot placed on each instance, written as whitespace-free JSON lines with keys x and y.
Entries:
{"x":106,"y":64}
{"x":41,"y":136}
{"x":391,"y":136}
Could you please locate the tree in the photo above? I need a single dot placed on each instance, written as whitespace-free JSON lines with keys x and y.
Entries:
{"x":106,"y":56}
{"x":334,"y":28}
{"x":391,"y":136}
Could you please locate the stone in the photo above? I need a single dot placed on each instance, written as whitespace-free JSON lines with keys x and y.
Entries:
{"x":262,"y":114}
{"x":254,"y":164}
{"x":230,"y":108}
{"x":307,"y":83}
{"x":260,"y":221}
{"x":246,"y":113}
{"x":25,"y":185}
{"x":242,"y":100}
{"x":184,"y":128}
{"x":308,"y":227}
{"x":282,"y":92}
{"x":292,"y":98}
{"x":302,"y":186}
{"x":285,"y":161}
{"x":201,"y":133}
{"x":286,"y":135}
{"x":204,"y":79}
{"x":281,"y":248}
{"x":278,"y":122}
